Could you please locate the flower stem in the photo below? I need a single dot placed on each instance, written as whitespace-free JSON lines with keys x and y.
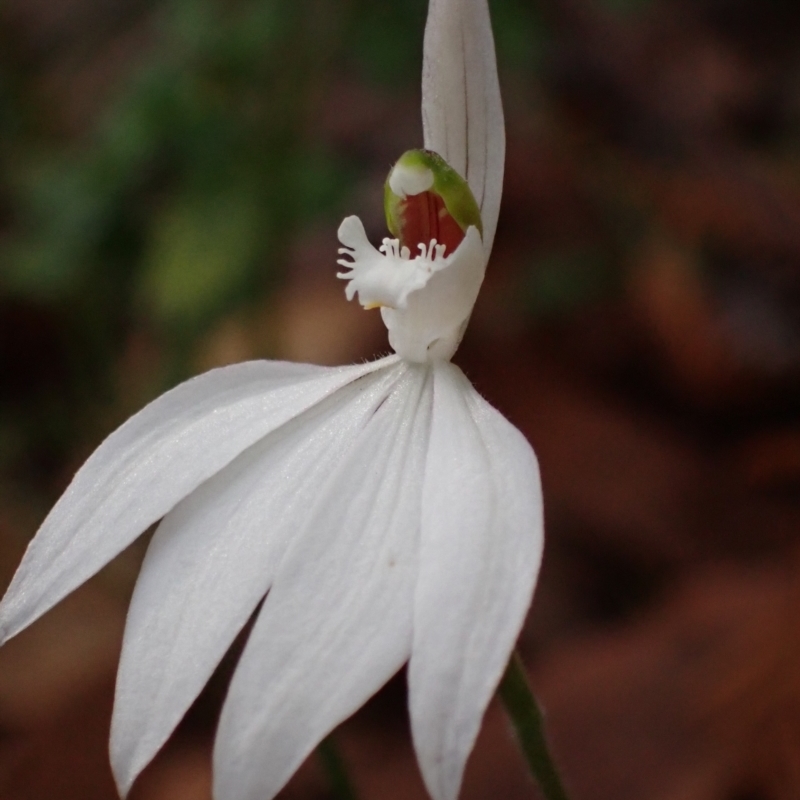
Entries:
{"x":526,"y":716}
{"x":333,"y":764}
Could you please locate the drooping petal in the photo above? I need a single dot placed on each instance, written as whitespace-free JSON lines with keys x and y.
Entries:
{"x":462,"y":113}
{"x":212,"y":560}
{"x":150,"y":463}
{"x":337,"y":621}
{"x":480,"y":548}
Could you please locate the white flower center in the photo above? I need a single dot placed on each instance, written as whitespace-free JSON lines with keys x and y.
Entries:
{"x":426,"y":300}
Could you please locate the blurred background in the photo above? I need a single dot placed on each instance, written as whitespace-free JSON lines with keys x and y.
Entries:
{"x":172,"y":173}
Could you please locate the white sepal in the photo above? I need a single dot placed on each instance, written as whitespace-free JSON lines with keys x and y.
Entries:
{"x":480,"y":550}
{"x":462,"y":113}
{"x":212,"y":560}
{"x":336,"y":624}
{"x":150,"y":463}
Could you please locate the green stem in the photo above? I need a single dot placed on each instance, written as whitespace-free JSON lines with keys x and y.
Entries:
{"x":334,"y":766}
{"x":522,"y":708}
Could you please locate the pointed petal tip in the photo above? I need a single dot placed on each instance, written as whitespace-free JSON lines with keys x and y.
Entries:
{"x":126,"y":765}
{"x":5,"y":628}
{"x":8,"y":627}
{"x":124,"y":786}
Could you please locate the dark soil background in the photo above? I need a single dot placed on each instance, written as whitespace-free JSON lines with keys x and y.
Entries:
{"x":172,"y":173}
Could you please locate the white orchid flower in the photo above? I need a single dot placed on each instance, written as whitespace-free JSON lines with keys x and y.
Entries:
{"x":384,"y":512}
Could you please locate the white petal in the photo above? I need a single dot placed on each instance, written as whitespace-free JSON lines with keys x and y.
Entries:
{"x":480,"y":549}
{"x":337,"y":621}
{"x":146,"y":466}
{"x":212,"y":561}
{"x":462,"y":113}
